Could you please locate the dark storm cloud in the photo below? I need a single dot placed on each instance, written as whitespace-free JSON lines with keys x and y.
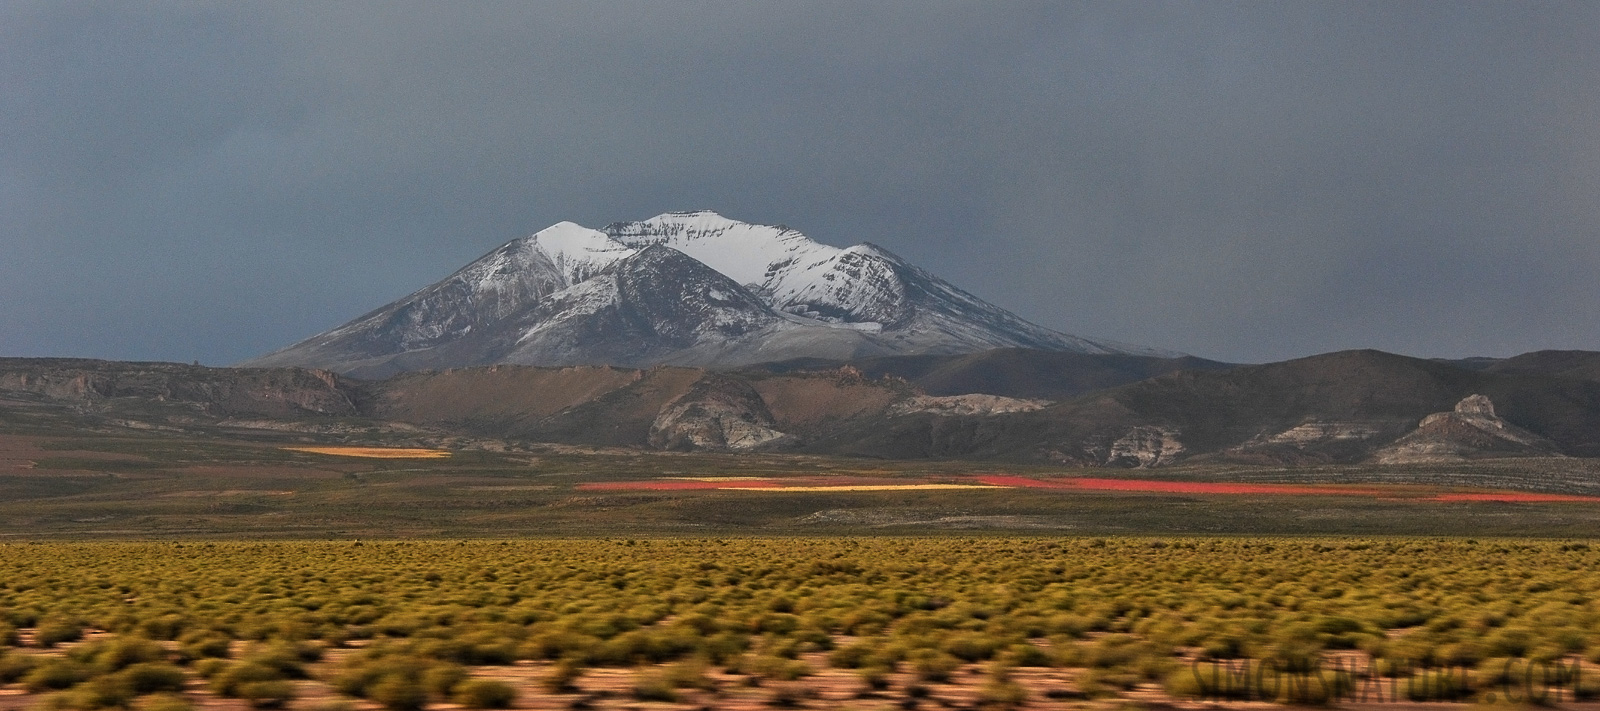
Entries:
{"x":1242,"y":181}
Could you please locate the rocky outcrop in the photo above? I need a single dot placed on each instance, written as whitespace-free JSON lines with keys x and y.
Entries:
{"x":1142,"y":446}
{"x":1315,"y":441}
{"x":718,"y":413}
{"x":1471,"y":431}
{"x":966,"y":405}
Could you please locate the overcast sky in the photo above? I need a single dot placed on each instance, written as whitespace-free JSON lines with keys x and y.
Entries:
{"x":1247,"y":182}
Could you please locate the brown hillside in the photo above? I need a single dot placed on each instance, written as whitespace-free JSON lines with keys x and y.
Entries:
{"x":504,"y":393}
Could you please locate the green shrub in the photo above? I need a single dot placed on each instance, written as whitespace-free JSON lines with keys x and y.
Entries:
{"x":164,"y":627}
{"x":231,"y":679}
{"x":485,"y":694}
{"x":563,"y":677}
{"x":653,"y":686}
{"x":272,"y":694}
{"x":441,"y":680}
{"x":971,"y":647}
{"x":15,"y":666}
{"x":1027,"y":655}
{"x":151,"y":677}
{"x":57,"y":631}
{"x":851,"y":656}
{"x":115,"y":653}
{"x":934,"y":666}
{"x":54,"y":674}
{"x":776,"y":668}
{"x":875,"y":678}
{"x":1002,"y":693}
{"x":204,"y":646}
{"x":210,"y":668}
{"x":100,"y":692}
{"x":163,"y":702}
{"x":688,"y":674}
{"x":398,"y":692}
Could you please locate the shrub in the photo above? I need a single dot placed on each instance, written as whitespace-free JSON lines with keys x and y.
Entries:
{"x":563,"y":678}
{"x":163,"y":702}
{"x":653,"y":686}
{"x":151,"y":677}
{"x":266,"y":694}
{"x":230,"y":680}
{"x":874,"y":678}
{"x":55,"y":674}
{"x":688,"y":674}
{"x":776,"y":668}
{"x":164,"y":627}
{"x":850,"y":656}
{"x":204,"y":646}
{"x":1027,"y":655}
{"x":100,"y":692}
{"x":15,"y":666}
{"x":485,"y":694}
{"x":57,"y":631}
{"x":971,"y":647}
{"x":210,"y":668}
{"x":441,"y":680}
{"x":934,"y":666}
{"x":398,"y":693}
{"x":109,"y":655}
{"x":1002,"y":693}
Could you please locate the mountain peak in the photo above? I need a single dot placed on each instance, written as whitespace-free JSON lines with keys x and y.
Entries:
{"x":568,"y":294}
{"x":745,"y":252}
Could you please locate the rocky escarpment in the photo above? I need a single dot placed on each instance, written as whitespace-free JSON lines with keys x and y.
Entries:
{"x":1471,"y":431}
{"x":283,"y":392}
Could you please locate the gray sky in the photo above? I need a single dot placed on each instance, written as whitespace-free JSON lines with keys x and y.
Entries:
{"x":1249,"y":182}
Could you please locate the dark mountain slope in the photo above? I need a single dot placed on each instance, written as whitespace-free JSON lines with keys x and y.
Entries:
{"x":1583,"y":365}
{"x":1339,"y":406}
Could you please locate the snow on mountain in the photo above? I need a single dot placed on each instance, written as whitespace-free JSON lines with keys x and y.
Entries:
{"x":865,"y":287}
{"x":690,"y":288}
{"x":479,"y":295}
{"x":749,"y":254}
{"x":644,"y":310}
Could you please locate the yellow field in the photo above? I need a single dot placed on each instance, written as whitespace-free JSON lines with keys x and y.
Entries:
{"x":375,"y":452}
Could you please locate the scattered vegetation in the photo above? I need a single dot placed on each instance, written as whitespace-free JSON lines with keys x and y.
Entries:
{"x":408,"y":624}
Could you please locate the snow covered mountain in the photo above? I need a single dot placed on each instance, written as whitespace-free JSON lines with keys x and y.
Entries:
{"x":686,"y":288}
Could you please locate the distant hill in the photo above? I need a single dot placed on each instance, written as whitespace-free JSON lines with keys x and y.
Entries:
{"x":1006,"y":404}
{"x":1334,"y":407}
{"x":1011,"y":372}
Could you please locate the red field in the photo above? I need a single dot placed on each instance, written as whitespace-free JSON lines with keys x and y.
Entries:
{"x":1086,"y":484}
{"x":1176,"y":487}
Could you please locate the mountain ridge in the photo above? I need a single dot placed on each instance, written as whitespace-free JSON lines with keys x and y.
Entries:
{"x":800,"y":298}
